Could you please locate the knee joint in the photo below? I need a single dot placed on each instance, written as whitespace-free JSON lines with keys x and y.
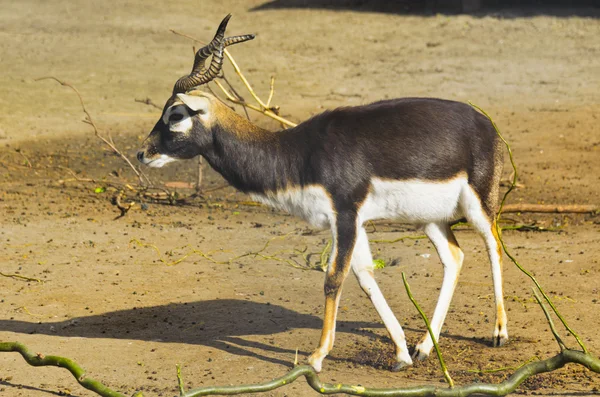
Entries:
{"x":332,"y":285}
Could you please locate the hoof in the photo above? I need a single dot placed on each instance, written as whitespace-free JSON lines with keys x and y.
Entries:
{"x":419,"y":355}
{"x":315,"y":362}
{"x":500,"y":340}
{"x":401,"y":365}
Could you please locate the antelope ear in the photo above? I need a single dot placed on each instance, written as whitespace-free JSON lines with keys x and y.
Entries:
{"x":196,"y":103}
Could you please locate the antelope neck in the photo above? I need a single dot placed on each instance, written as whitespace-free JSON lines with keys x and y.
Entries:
{"x":255,"y":160}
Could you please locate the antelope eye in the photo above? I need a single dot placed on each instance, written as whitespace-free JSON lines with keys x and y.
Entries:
{"x":175,"y":117}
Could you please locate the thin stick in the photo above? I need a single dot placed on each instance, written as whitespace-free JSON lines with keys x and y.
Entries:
{"x":435,"y":344}
{"x":502,"y":369}
{"x":234,"y":91}
{"x":180,"y":380}
{"x":148,"y":102}
{"x":325,"y":256}
{"x":400,"y":239}
{"x":552,"y":208}
{"x":199,"y":179}
{"x":271,"y":91}
{"x":123,"y":208}
{"x":498,"y":231}
{"x":266,"y":112}
{"x":109,"y":142}
{"x":18,"y":276}
{"x":24,"y":157}
{"x":561,"y":344}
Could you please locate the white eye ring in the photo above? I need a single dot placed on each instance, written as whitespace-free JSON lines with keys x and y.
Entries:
{"x":175,"y":117}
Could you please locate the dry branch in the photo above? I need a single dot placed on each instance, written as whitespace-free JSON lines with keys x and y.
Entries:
{"x":426,"y":321}
{"x":124,"y":208}
{"x":561,"y":344}
{"x":552,"y":208}
{"x":148,"y":102}
{"x":108,"y":141}
{"x":19,"y":277}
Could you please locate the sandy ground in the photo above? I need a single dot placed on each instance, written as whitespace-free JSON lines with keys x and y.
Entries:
{"x":129,"y":298}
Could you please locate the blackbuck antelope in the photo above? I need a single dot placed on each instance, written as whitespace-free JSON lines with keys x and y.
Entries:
{"x":428,"y":162}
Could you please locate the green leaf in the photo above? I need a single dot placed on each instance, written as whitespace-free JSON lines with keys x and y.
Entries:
{"x":100,"y":189}
{"x":379,"y":263}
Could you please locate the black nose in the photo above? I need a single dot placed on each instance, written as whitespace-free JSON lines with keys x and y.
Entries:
{"x":140,"y":156}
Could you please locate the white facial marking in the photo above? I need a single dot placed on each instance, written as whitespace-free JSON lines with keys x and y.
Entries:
{"x":159,"y":162}
{"x":178,"y":118}
{"x":197,"y":103}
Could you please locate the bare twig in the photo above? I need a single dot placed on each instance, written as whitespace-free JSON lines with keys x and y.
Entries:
{"x":267,"y":113}
{"x":180,"y":380}
{"x":552,"y":208}
{"x":426,"y":321}
{"x":209,"y":88}
{"x":325,"y":256}
{"x":108,"y":141}
{"x":18,"y":276}
{"x":502,"y":369}
{"x":200,"y":174}
{"x":124,"y":208}
{"x":24,"y":157}
{"x":561,"y":344}
{"x":234,"y":91}
{"x":271,"y":92}
{"x":420,"y":237}
{"x":149,"y":102}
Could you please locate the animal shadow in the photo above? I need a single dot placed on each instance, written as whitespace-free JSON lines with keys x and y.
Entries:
{"x":220,"y":323}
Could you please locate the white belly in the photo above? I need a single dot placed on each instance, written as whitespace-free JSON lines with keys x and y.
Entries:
{"x":310,"y":203}
{"x":413,"y":201}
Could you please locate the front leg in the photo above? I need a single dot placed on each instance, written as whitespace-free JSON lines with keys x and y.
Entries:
{"x":344,"y":237}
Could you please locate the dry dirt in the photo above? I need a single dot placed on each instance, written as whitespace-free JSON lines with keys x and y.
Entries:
{"x":129,"y":298}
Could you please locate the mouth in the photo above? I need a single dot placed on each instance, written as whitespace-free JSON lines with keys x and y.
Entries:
{"x":157,"y":162}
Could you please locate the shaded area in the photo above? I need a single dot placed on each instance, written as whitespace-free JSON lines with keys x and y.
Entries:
{"x":221,"y":324}
{"x":216,"y":323}
{"x":17,"y":386}
{"x":496,"y":8}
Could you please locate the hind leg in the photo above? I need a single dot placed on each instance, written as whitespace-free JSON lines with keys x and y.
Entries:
{"x":486,"y":227}
{"x":452,"y":259}
{"x":362,"y":266}
{"x":494,"y":248}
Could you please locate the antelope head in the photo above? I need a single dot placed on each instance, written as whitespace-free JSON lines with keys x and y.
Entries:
{"x":189,"y":115}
